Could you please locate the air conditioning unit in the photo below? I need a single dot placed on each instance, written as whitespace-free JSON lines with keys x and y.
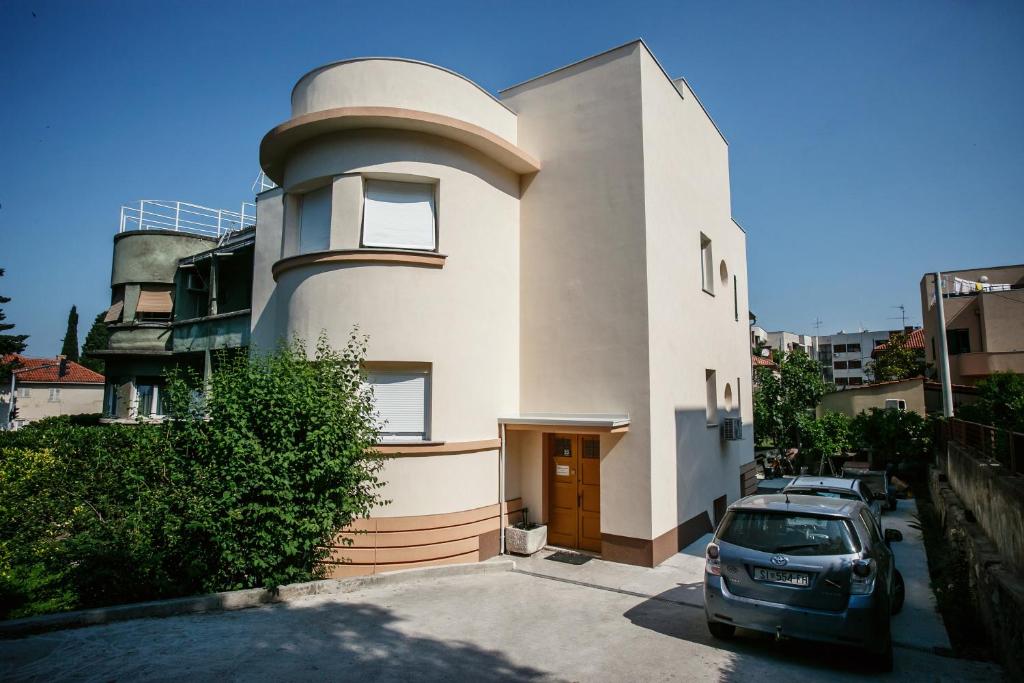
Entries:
{"x":731,"y":429}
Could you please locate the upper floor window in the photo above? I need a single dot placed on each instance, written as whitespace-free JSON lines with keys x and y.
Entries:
{"x":315,"y":220}
{"x":958,"y":341}
{"x":840,"y":348}
{"x":853,"y":348}
{"x":399,"y":215}
{"x":155,"y":303}
{"x":54,"y":394}
{"x":23,"y":392}
{"x":402,"y":399}
{"x":840,"y":365}
{"x":711,"y":395}
{"x":854,"y":365}
{"x":707,"y":279}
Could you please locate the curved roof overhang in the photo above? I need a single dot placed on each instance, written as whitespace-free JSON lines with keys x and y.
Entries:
{"x":277,"y":144}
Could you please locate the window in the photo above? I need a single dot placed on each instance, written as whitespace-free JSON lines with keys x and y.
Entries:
{"x":110,"y":399}
{"x":853,"y":348}
{"x":315,"y":220}
{"x":711,"y":388}
{"x":879,"y":342}
{"x":735,"y":300}
{"x":855,"y":380}
{"x":958,"y":341}
{"x":792,"y":534}
{"x":155,"y":303}
{"x":854,"y":365}
{"x":399,"y":215}
{"x":840,"y":348}
{"x":707,"y":280}
{"x":840,"y":381}
{"x":402,"y":402}
{"x":23,"y":392}
{"x":54,"y":395}
{"x":147,"y":396}
{"x":840,"y":365}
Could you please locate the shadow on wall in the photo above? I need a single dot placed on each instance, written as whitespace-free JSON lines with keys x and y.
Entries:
{"x":679,"y":613}
{"x":334,"y":641}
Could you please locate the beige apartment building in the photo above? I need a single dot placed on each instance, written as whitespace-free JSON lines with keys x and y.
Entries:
{"x":48,"y":387}
{"x":984,"y":312}
{"x":554,"y":290}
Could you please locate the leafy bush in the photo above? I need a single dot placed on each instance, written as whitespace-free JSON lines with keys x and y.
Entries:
{"x":893,"y":436}
{"x":784,"y":400}
{"x":823,"y":437}
{"x":243,"y":489}
{"x":1000,"y":402}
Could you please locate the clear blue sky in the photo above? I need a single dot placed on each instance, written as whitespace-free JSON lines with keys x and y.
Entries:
{"x":869,"y":142}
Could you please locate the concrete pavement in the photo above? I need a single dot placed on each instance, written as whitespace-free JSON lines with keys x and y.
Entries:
{"x":501,"y":626}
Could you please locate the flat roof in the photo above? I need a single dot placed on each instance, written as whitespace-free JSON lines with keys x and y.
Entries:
{"x":600,"y":421}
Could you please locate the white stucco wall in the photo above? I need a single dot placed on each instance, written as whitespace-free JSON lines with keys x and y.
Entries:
{"x":686,"y":193}
{"x":75,"y":399}
{"x":405,"y":84}
{"x":584,"y":310}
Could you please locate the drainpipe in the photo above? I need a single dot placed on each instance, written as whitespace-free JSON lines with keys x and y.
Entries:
{"x":501,"y":492}
{"x":943,"y":359}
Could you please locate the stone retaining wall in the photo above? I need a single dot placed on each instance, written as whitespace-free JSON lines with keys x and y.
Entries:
{"x":998,"y":587}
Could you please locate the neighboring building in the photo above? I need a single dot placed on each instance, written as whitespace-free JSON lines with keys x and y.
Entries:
{"x":916,"y":394}
{"x":551,"y":282}
{"x":46,"y":387}
{"x":758,"y":337}
{"x":785,"y":342}
{"x":984,"y":310}
{"x":844,"y":356}
{"x":181,"y":286}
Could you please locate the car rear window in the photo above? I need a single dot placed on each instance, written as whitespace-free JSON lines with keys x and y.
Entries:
{"x":789,"y":533}
{"x":825,"y":493}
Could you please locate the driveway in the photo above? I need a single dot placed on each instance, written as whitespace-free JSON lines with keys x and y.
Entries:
{"x":543,"y":625}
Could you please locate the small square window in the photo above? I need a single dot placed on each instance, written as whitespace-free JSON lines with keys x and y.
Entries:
{"x":402,"y":400}
{"x":54,"y":394}
{"x":23,"y":392}
{"x":315,"y":220}
{"x":399,"y":215}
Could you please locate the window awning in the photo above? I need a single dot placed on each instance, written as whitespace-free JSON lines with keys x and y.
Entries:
{"x":155,"y":301}
{"x":567,"y":422}
{"x":114,"y":312}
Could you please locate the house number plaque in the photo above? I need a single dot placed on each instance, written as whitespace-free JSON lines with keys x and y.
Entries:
{"x":562,"y":470}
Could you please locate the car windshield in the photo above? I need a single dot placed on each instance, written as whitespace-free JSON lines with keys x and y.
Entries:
{"x":826,"y":493}
{"x":787,"y":532}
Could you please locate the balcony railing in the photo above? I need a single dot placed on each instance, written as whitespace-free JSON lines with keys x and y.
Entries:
{"x":158,"y":214}
{"x":1000,"y":445}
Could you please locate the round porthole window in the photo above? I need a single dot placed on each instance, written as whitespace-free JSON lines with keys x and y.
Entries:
{"x":723,"y":272}
{"x":728,"y":396}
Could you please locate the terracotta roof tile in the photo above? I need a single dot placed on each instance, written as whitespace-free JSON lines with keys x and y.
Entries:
{"x":761,"y":360}
{"x":915,"y":340}
{"x":48,"y":369}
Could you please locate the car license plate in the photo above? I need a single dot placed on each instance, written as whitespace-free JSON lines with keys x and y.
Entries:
{"x":778,"y":576}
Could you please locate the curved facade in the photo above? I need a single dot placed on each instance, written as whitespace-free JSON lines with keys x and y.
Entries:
{"x":522,"y":336}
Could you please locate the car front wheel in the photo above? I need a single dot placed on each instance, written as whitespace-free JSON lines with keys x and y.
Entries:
{"x":720,"y":630}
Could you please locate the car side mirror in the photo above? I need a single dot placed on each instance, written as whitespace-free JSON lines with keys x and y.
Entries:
{"x":893,"y":535}
{"x":880,"y":496}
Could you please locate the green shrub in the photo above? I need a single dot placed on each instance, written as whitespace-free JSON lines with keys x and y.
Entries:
{"x":900,"y":437}
{"x":244,"y":488}
{"x":823,"y":437}
{"x":1000,"y":402}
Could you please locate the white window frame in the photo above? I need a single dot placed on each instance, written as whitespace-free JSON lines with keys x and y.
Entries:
{"x":54,"y":395}
{"x":388,"y":434}
{"x":22,"y":392}
{"x":311,"y":241}
{"x":707,"y":265}
{"x":375,"y":210}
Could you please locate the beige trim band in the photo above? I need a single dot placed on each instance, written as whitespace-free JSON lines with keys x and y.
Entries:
{"x":278,"y":143}
{"x":408,"y":258}
{"x":434,"y":448}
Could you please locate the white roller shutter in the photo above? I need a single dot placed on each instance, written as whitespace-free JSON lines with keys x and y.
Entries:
{"x":401,"y":402}
{"x":399,"y":215}
{"x":315,"y":221}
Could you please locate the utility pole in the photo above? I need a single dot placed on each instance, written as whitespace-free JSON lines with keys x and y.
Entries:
{"x":943,"y":359}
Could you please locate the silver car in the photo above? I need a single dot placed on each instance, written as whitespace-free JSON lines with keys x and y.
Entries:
{"x":808,"y":567}
{"x":834,"y":487}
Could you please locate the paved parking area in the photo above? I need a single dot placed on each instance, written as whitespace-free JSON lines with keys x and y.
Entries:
{"x":498,"y":626}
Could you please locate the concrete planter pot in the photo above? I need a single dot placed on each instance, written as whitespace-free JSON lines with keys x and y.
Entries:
{"x":525,"y":541}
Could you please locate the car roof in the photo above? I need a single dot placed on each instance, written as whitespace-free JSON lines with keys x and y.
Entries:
{"x":822,"y":482}
{"x":808,"y":505}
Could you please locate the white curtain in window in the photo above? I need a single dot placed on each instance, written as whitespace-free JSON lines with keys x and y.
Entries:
{"x":315,"y":220}
{"x":399,"y":215}
{"x":400,"y":399}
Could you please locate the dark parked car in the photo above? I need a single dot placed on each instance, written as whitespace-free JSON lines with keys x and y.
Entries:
{"x":809,"y":567}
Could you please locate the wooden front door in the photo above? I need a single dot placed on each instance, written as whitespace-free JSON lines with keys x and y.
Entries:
{"x":574,"y":496}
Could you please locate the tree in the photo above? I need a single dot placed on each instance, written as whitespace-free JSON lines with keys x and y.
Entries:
{"x":785,"y":398}
{"x":824,"y":437}
{"x":70,"y":348}
{"x":9,"y":343}
{"x":95,"y":340}
{"x":896,"y":361}
{"x":999,"y":402}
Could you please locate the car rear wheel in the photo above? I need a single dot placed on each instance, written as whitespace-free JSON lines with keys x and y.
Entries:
{"x":720,"y":630}
{"x":899,"y":592}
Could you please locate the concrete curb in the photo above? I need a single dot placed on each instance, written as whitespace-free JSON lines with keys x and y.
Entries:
{"x":236,"y":600}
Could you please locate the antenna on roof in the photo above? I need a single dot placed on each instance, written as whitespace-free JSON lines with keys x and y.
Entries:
{"x":902,"y":316}
{"x":817,"y":324}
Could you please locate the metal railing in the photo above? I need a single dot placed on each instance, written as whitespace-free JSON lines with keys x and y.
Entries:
{"x":1000,"y":445}
{"x":158,"y":214}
